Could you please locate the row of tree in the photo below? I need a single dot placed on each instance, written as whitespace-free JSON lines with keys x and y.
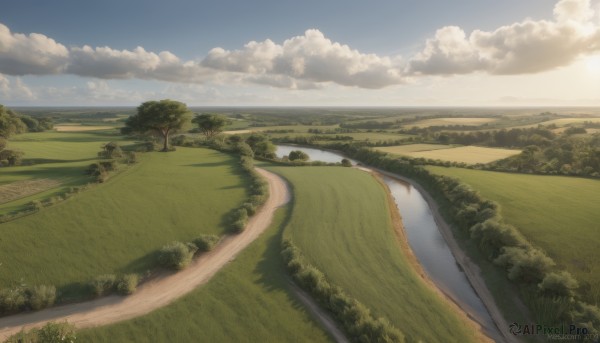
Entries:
{"x":12,"y":123}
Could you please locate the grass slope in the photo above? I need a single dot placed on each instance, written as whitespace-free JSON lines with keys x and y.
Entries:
{"x":341,"y":222}
{"x":248,"y":301}
{"x":116,"y":226}
{"x":559,"y":214}
{"x":59,"y":156}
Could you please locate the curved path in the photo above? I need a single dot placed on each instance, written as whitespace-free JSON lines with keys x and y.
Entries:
{"x":162,"y":290}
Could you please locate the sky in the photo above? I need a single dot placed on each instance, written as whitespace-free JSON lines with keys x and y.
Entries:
{"x":301,"y":53}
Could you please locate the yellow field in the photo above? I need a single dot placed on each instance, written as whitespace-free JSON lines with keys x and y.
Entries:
{"x":465,"y":154}
{"x":80,"y":128}
{"x":451,"y":121}
{"x":566,"y":121}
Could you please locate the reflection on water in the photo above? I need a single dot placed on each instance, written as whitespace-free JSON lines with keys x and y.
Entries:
{"x":314,"y":154}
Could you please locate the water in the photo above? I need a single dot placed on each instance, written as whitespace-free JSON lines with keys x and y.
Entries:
{"x":425,"y":240}
{"x":314,"y":154}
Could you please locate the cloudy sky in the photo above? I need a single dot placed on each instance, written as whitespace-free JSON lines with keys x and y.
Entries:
{"x":280,"y":52}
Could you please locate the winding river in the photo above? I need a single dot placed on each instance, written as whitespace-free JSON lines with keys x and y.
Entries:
{"x":425,"y":240}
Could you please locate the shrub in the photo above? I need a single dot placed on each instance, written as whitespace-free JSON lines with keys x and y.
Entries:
{"x":525,"y":265}
{"x":41,"y":297}
{"x":249,"y":207}
{"x":12,"y":300}
{"x":298,"y":155}
{"x":103,"y":284}
{"x":35,"y":205}
{"x":127,"y":284}
{"x":558,"y":284}
{"x":49,"y":333}
{"x":346,"y":162}
{"x":239,"y":219}
{"x":206,"y":242}
{"x":176,"y":255}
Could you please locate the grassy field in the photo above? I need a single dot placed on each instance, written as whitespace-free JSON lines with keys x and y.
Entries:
{"x":248,"y":301}
{"x":115,"y":227}
{"x":558,"y":214}
{"x":59,"y":157}
{"x":465,"y":154}
{"x":81,"y":128}
{"x":341,"y":222}
{"x":451,"y":121}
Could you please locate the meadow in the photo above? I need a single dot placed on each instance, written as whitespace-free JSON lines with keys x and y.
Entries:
{"x":341,"y":222}
{"x":464,"y":154}
{"x":558,"y":214}
{"x":468,"y":121}
{"x":249,"y":300}
{"x":118,"y":226}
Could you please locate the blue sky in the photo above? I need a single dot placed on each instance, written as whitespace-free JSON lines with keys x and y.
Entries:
{"x":382,"y":53}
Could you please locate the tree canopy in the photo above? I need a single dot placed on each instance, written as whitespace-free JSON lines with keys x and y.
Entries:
{"x":210,"y":124}
{"x":10,"y":123}
{"x":163,"y":117}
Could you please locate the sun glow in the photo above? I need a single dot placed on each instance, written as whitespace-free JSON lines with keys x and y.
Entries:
{"x":592,"y":64}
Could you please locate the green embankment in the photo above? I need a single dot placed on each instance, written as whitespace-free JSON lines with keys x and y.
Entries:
{"x":341,"y":222}
{"x":118,"y":226}
{"x":559,"y":214}
{"x":248,"y":301}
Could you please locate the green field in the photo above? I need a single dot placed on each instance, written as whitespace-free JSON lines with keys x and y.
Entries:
{"x":558,"y":214}
{"x":465,"y":154}
{"x":115,"y":227}
{"x":58,"y":156}
{"x":248,"y":301}
{"x":341,"y":222}
{"x":451,"y":121}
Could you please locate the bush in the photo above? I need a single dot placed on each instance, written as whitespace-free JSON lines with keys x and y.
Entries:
{"x":49,"y":333}
{"x":176,"y":255}
{"x":127,"y":284}
{"x":558,"y":285}
{"x":298,"y":155}
{"x":239,"y":219}
{"x":41,"y":297}
{"x":35,"y":205}
{"x":12,"y":300}
{"x":525,"y":265}
{"x":103,"y":284}
{"x":346,"y":162}
{"x":206,"y":242}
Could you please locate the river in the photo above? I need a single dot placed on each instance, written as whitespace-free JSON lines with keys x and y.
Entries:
{"x":425,"y":240}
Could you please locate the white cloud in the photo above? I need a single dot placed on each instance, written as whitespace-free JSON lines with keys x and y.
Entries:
{"x":16,"y":90}
{"x":524,"y":47}
{"x":33,"y":54}
{"x":302,"y":60}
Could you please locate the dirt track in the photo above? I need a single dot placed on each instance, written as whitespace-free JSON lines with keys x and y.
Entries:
{"x":162,"y":290}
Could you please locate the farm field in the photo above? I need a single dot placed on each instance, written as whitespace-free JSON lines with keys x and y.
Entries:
{"x":247,"y":301}
{"x":464,"y":154}
{"x":341,"y":222}
{"x":451,"y":121}
{"x":116,"y":227}
{"x":558,"y":214}
{"x":60,"y":158}
{"x":81,"y":128}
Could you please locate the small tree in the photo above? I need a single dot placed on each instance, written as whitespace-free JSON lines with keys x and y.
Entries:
{"x":210,"y":124}
{"x":298,"y":155}
{"x":111,"y":150}
{"x":558,"y":284}
{"x":163,"y":117}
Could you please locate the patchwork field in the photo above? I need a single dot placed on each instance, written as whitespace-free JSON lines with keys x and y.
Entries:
{"x":558,"y":214}
{"x":451,"y":121}
{"x":248,"y":301}
{"x":115,"y":227}
{"x":340,"y":220}
{"x":464,"y":154}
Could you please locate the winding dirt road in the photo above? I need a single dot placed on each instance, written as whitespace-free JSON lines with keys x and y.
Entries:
{"x":162,"y":290}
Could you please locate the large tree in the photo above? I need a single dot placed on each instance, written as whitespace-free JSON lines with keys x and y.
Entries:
{"x":10,"y":123}
{"x":163,"y":117}
{"x":210,"y":124}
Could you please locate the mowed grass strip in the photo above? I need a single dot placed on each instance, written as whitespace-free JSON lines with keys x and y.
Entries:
{"x":341,"y":222}
{"x":116,"y":227}
{"x":559,"y":214}
{"x":248,"y":301}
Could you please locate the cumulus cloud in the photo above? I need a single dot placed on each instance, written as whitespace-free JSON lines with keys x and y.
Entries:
{"x":525,"y":47}
{"x":310,"y":58}
{"x":16,"y":90}
{"x":33,"y":54}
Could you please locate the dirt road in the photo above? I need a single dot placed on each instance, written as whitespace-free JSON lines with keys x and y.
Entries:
{"x":163,"y":290}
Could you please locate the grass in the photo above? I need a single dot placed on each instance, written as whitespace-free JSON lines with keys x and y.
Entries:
{"x":559,"y":214}
{"x":451,"y":121}
{"x":60,"y":157}
{"x":465,"y":154}
{"x":248,"y":301}
{"x":81,"y":128}
{"x":116,"y":227}
{"x":341,"y":222}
